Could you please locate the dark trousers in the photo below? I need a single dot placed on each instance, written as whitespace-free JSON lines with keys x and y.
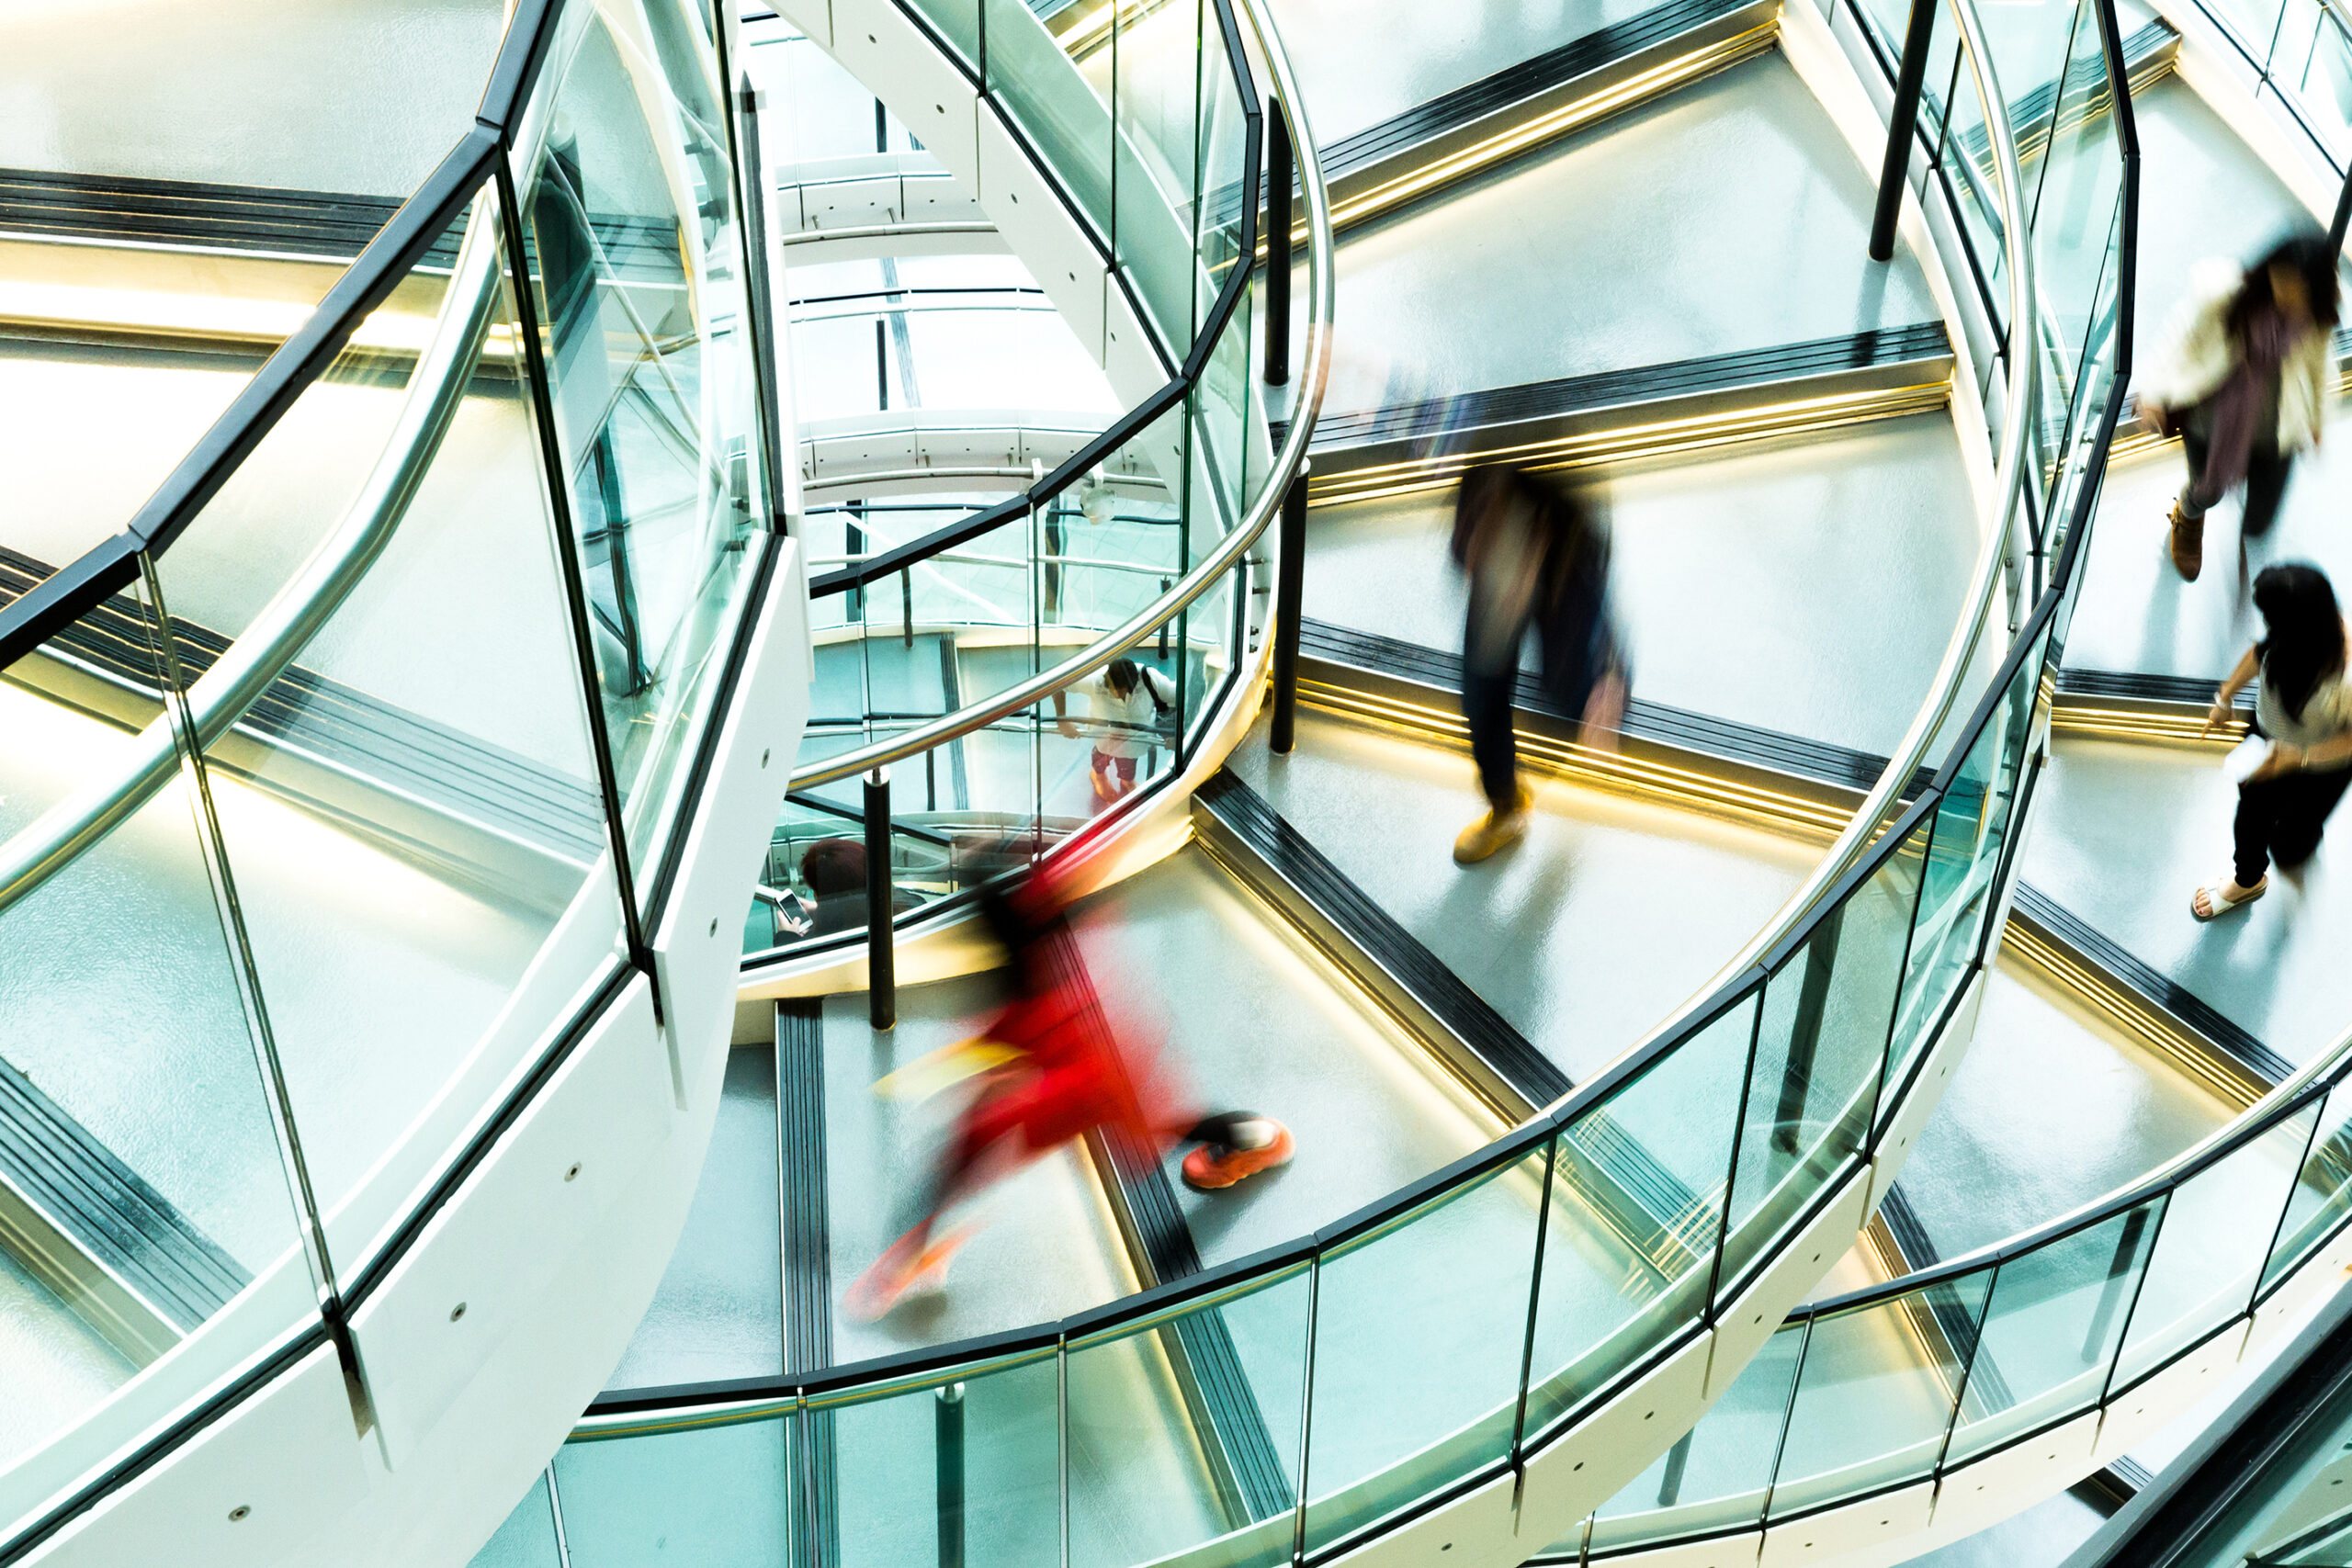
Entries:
{"x":2267,"y":468}
{"x":1486,"y":708}
{"x":2283,"y":817}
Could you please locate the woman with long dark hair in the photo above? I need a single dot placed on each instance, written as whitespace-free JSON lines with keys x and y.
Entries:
{"x":2305,"y":711}
{"x":2244,"y":380}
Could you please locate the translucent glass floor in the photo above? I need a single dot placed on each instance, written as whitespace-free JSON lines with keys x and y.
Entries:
{"x":2122,"y":834}
{"x":362,"y":98}
{"x":1807,"y":587}
{"x":1728,"y":216}
{"x":2039,"y":1537}
{"x":1585,"y":936}
{"x":1360,"y":65}
{"x":2050,"y":1109}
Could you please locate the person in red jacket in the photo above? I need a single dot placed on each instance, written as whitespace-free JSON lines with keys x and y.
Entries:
{"x":1052,"y":1068}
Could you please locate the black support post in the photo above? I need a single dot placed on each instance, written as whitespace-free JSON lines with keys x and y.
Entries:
{"x":1279,"y":176}
{"x":1900,"y":126}
{"x":949,"y":1429}
{"x":881,"y":980}
{"x":2343,"y":219}
{"x":1290,"y":577}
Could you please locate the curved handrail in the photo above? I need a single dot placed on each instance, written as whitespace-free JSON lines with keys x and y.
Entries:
{"x":1851,"y":857}
{"x":1321,"y":292}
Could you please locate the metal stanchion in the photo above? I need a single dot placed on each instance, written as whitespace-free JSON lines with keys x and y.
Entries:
{"x":1290,"y":576}
{"x":948,"y":1415}
{"x":1279,"y":176}
{"x":1902,"y":122}
{"x":881,"y":983}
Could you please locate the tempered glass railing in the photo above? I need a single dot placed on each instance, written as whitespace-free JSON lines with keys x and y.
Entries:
{"x":1441,"y":1337}
{"x":926,"y":607}
{"x":338,"y":794}
{"x":2299,"y":54}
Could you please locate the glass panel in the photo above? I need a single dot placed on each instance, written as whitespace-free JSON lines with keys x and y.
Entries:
{"x":1065,"y":116}
{"x":138,"y":1115}
{"x":2323,"y":1194}
{"x":2209,"y":1251}
{"x":1820,"y":1053}
{"x":411,"y":808}
{"x":957,"y":22}
{"x":1418,"y":1335}
{"x":1972,"y":824}
{"x":1875,"y":1394}
{"x":633,"y":259}
{"x":2051,"y":1331}
{"x":1224,"y":167}
{"x":1967,"y":163}
{"x":1223,"y":403}
{"x":527,"y":1539}
{"x":716,"y":1496}
{"x":1186,"y":1432}
{"x":1718,"y":1475}
{"x":992,"y":1437}
{"x":1160,"y":69}
{"x":1636,"y":1206}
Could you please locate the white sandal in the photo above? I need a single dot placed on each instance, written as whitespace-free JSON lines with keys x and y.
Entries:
{"x":2218,"y":904}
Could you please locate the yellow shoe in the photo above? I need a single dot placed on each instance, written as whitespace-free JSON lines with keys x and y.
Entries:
{"x":1495,"y":831}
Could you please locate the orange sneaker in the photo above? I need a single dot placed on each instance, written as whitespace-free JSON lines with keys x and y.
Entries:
{"x":1206,"y":1171}
{"x":900,"y":1273}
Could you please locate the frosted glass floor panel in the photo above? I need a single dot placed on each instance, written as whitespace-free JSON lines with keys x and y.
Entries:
{"x":1360,"y":64}
{"x":2048,"y":1111}
{"x":363,"y":99}
{"x":56,"y":1366}
{"x":379,"y":979}
{"x":1609,"y":915}
{"x":1809,"y":588}
{"x":1252,"y":1023}
{"x":2122,"y":834}
{"x":1044,"y":1248}
{"x":719,"y":1312}
{"x":2136,"y":614}
{"x":1727,"y":217}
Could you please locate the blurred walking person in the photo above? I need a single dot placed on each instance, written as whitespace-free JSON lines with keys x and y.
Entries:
{"x":1537,"y":555}
{"x":1051,"y":1067}
{"x":2304,"y":709}
{"x":2244,"y":380}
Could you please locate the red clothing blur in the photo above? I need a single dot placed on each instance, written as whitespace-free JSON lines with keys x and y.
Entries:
{"x":1076,"y":1075}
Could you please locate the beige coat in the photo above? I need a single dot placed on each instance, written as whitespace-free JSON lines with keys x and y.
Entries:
{"x":2197,"y":358}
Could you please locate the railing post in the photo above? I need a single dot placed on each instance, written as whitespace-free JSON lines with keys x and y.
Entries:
{"x":948,"y":1418}
{"x":2343,"y":218}
{"x":881,"y":982}
{"x":1279,"y":174}
{"x":1290,"y":577}
{"x":1901,"y":123}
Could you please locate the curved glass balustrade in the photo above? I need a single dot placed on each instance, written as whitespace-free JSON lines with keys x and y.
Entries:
{"x":342,"y":793}
{"x":930,"y":605}
{"x":1517,"y":1289}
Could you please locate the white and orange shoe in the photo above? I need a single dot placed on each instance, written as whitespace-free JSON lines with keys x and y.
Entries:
{"x":902,"y":1271}
{"x":1208,"y":1169}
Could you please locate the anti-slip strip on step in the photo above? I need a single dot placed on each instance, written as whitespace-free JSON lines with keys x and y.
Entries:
{"x":373,"y":738}
{"x":2127,"y":686}
{"x":101,"y":1205}
{"x":2151,"y":987}
{"x":1747,"y":370}
{"x":1534,"y":1077}
{"x":1658,"y":722}
{"x":1516,"y":82}
{"x":325,"y":225}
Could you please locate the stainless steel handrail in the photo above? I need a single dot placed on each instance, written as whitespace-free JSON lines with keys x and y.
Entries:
{"x":1314,"y":376}
{"x":2012,"y":467}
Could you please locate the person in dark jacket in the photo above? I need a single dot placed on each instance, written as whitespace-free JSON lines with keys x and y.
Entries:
{"x":1537,"y":555}
{"x":834,"y":870}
